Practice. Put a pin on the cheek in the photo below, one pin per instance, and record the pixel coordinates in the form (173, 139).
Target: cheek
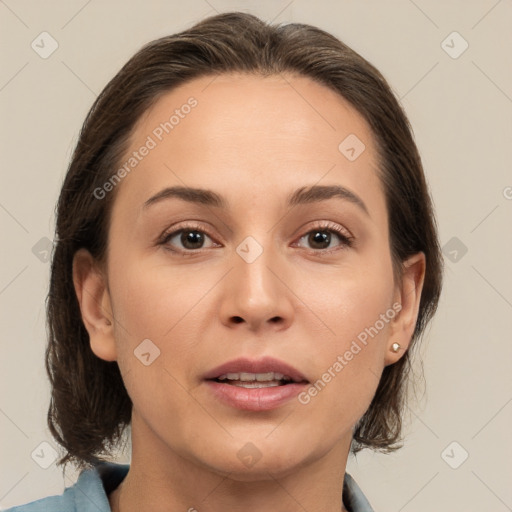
(356, 311)
(153, 301)
(169, 306)
(351, 299)
(156, 311)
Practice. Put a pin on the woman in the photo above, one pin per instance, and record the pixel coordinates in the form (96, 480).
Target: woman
(246, 254)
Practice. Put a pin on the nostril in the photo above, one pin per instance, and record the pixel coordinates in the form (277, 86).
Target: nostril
(275, 319)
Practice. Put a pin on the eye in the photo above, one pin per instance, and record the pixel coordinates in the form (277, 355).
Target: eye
(326, 237)
(187, 239)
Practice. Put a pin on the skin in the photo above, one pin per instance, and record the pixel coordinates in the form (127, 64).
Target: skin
(253, 141)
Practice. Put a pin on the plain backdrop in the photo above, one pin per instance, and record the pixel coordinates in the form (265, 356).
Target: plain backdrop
(457, 91)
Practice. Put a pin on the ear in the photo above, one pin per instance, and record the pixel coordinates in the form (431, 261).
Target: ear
(94, 299)
(408, 295)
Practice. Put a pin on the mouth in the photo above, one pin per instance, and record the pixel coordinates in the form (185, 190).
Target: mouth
(255, 385)
(245, 372)
(255, 380)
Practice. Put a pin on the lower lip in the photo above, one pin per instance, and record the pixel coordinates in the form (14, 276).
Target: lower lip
(255, 399)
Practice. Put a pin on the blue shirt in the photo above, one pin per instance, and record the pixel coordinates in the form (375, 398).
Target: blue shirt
(90, 493)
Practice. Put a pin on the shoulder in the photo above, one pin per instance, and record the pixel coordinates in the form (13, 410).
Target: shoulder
(88, 494)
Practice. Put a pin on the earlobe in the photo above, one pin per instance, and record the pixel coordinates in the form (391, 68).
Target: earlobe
(94, 299)
(408, 294)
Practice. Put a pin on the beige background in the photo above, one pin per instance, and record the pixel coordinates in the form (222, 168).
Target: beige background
(460, 109)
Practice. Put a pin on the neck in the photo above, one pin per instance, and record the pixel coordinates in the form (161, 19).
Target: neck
(160, 479)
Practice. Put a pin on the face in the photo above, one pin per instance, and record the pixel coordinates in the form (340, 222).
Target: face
(276, 264)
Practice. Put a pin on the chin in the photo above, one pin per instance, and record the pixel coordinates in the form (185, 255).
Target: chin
(269, 469)
(263, 459)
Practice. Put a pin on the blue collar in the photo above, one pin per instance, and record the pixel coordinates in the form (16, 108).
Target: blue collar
(90, 492)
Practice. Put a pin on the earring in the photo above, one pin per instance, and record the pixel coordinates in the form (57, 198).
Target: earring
(395, 347)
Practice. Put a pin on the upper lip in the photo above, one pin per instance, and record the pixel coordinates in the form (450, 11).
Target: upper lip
(264, 365)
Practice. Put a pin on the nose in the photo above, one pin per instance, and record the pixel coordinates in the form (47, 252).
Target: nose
(254, 297)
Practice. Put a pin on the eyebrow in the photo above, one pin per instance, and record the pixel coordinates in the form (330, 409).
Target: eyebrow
(303, 195)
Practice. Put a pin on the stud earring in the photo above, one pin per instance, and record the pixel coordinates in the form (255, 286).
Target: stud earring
(395, 347)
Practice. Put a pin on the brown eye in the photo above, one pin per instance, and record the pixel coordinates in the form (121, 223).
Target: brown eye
(187, 240)
(325, 238)
(319, 239)
(192, 239)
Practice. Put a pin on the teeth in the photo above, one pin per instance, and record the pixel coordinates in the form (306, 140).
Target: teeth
(255, 384)
(252, 377)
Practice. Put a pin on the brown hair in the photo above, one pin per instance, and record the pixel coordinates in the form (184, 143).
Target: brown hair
(89, 406)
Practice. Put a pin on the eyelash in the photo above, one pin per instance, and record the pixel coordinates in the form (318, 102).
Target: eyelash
(346, 240)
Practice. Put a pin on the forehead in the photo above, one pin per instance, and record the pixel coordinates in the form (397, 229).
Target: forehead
(239, 130)
(275, 108)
